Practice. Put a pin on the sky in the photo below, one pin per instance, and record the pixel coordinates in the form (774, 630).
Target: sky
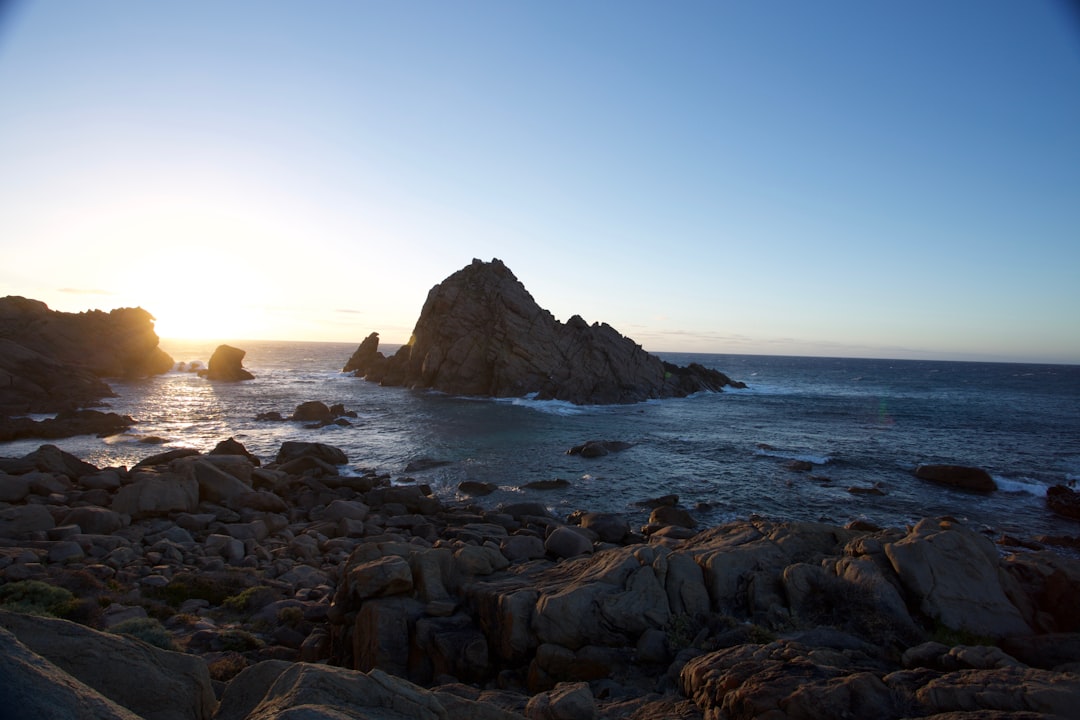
(836, 178)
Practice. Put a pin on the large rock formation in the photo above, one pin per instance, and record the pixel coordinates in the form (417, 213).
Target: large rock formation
(51, 361)
(227, 364)
(481, 333)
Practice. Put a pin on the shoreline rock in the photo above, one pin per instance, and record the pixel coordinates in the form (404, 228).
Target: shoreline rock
(480, 333)
(256, 570)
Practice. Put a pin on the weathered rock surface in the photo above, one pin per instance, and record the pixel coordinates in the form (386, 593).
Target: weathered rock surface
(153, 683)
(226, 364)
(32, 687)
(52, 361)
(481, 333)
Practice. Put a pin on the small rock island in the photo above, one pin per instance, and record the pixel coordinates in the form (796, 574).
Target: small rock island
(481, 333)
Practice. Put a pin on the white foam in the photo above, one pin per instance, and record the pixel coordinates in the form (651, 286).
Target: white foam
(815, 459)
(1020, 485)
(551, 407)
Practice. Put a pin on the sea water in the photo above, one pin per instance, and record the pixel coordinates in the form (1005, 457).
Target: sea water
(855, 423)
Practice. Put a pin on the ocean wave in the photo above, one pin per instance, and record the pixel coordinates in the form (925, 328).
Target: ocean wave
(550, 407)
(814, 459)
(1021, 485)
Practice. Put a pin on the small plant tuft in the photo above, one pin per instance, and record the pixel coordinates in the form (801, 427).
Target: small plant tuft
(149, 630)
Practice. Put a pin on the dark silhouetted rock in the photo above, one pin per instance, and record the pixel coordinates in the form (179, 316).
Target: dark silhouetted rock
(958, 476)
(51, 361)
(313, 411)
(232, 447)
(598, 448)
(294, 449)
(481, 333)
(477, 488)
(67, 423)
(554, 484)
(366, 357)
(226, 364)
(1063, 501)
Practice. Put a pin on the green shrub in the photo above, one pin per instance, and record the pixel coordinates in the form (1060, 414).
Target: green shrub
(239, 641)
(251, 599)
(291, 616)
(149, 630)
(215, 588)
(33, 597)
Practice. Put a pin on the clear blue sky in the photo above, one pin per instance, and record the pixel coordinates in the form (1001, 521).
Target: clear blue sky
(833, 178)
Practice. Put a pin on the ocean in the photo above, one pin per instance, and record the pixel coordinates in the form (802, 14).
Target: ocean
(856, 423)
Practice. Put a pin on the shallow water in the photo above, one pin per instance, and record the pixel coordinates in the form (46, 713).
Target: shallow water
(860, 423)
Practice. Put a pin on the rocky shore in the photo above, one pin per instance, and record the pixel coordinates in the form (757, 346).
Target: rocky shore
(221, 586)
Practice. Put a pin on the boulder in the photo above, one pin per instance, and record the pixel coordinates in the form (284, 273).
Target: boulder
(481, 333)
(958, 476)
(294, 449)
(21, 520)
(95, 520)
(157, 493)
(226, 364)
(33, 687)
(231, 446)
(954, 574)
(153, 683)
(567, 542)
(312, 411)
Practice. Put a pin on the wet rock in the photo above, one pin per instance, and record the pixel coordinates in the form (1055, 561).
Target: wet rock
(554, 484)
(226, 364)
(598, 448)
(1063, 501)
(958, 476)
(476, 488)
(312, 411)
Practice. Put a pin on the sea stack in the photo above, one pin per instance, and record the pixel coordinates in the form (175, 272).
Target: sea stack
(226, 364)
(481, 333)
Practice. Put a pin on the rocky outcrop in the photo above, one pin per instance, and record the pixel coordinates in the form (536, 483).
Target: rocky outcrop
(226, 364)
(481, 333)
(51, 361)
